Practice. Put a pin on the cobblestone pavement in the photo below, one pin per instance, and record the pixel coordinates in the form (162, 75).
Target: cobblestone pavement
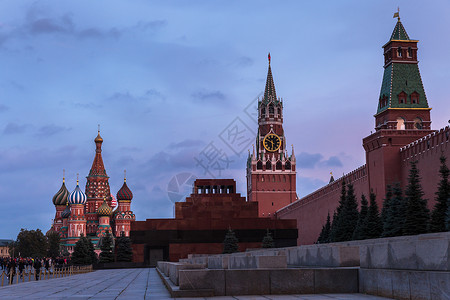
(127, 284)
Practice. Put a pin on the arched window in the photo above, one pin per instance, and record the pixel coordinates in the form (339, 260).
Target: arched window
(279, 165)
(288, 165)
(263, 112)
(268, 165)
(259, 165)
(402, 97)
(400, 123)
(418, 123)
(399, 52)
(409, 52)
(271, 109)
(414, 98)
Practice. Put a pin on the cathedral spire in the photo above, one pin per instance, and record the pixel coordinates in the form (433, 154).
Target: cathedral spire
(98, 169)
(269, 92)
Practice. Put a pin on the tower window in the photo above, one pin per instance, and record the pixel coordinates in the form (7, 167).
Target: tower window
(268, 165)
(263, 112)
(288, 165)
(418, 123)
(271, 109)
(259, 165)
(279, 165)
(400, 123)
(399, 52)
(402, 98)
(414, 98)
(409, 52)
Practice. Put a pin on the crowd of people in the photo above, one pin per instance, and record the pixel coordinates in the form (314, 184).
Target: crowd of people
(13, 266)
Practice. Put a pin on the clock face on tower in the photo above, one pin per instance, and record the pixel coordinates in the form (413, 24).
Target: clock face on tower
(272, 142)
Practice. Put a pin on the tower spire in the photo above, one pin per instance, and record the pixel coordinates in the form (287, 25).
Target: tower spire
(269, 92)
(98, 169)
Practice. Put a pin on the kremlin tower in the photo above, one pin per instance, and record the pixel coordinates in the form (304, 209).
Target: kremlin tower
(271, 171)
(403, 114)
(91, 213)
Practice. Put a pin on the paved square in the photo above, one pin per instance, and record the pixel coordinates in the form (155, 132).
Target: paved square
(127, 284)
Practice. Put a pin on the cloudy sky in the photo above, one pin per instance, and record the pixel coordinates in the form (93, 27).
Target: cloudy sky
(169, 82)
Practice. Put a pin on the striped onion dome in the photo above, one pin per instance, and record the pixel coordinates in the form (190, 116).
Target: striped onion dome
(60, 197)
(104, 209)
(113, 201)
(124, 193)
(66, 213)
(77, 196)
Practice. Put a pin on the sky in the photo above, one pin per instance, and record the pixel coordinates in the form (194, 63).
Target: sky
(170, 81)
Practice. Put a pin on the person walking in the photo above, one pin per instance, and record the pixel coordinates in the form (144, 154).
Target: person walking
(12, 270)
(21, 267)
(37, 268)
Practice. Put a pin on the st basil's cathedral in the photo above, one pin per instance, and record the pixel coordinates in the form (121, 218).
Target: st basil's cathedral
(90, 213)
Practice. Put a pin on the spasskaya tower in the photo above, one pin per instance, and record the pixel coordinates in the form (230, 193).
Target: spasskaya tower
(271, 171)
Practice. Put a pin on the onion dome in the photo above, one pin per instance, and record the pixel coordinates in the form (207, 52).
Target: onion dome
(77, 196)
(124, 193)
(66, 212)
(113, 201)
(98, 139)
(104, 209)
(60, 197)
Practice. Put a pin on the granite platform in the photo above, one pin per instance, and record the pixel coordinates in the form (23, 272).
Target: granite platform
(129, 284)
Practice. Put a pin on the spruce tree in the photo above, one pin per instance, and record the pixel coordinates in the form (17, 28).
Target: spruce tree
(417, 213)
(360, 226)
(92, 253)
(438, 216)
(347, 217)
(267, 241)
(386, 203)
(332, 236)
(395, 214)
(324, 236)
(81, 252)
(373, 224)
(336, 226)
(107, 254)
(124, 250)
(230, 243)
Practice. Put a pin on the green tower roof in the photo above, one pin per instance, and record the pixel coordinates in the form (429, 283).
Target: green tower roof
(398, 78)
(399, 32)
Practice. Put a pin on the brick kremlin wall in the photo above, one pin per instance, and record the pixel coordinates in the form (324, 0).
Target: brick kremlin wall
(311, 211)
(426, 151)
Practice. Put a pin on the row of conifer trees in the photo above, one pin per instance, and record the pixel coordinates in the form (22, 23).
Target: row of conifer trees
(84, 253)
(403, 213)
